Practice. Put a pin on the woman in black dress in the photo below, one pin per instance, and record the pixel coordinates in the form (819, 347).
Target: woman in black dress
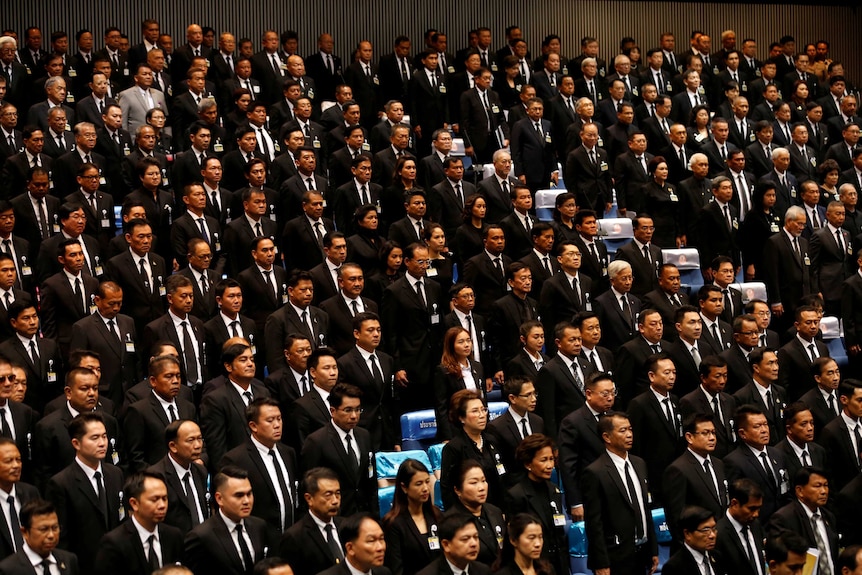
(363, 247)
(388, 271)
(760, 223)
(829, 173)
(472, 492)
(468, 237)
(698, 127)
(469, 416)
(392, 197)
(522, 549)
(510, 88)
(457, 370)
(411, 524)
(799, 97)
(440, 262)
(536, 494)
(662, 202)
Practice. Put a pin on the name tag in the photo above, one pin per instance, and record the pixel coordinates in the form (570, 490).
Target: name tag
(435, 318)
(495, 108)
(105, 223)
(431, 272)
(72, 73)
(806, 260)
(604, 166)
(674, 197)
(736, 224)
(130, 345)
(218, 148)
(162, 291)
(434, 543)
(255, 89)
(442, 89)
(102, 182)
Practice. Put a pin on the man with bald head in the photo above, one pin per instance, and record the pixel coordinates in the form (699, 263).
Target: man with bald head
(181, 59)
(324, 67)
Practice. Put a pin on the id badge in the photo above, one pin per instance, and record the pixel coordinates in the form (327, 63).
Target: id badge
(673, 197)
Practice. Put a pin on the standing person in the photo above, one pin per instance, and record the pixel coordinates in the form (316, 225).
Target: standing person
(40, 529)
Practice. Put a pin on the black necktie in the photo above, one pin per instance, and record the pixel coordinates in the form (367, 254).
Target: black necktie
(204, 284)
(635, 500)
(768, 468)
(13, 522)
(375, 371)
(333, 545)
(706, 468)
(269, 284)
(46, 567)
(421, 295)
(79, 297)
(365, 199)
(263, 145)
(351, 453)
(191, 357)
(100, 491)
(833, 405)
(247, 561)
(318, 233)
(667, 411)
(247, 397)
(233, 328)
(43, 219)
(203, 227)
(749, 551)
(143, 271)
(728, 304)
(152, 558)
(190, 498)
(5, 431)
(172, 413)
(288, 503)
(806, 460)
(258, 232)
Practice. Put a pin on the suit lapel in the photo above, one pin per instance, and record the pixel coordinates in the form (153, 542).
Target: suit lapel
(615, 478)
(221, 532)
(349, 465)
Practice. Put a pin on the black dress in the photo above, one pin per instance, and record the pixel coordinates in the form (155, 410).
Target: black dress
(377, 283)
(544, 500)
(563, 233)
(467, 242)
(460, 449)
(492, 529)
(663, 204)
(407, 550)
(755, 230)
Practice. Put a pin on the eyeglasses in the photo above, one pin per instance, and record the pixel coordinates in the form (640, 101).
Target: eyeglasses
(529, 395)
(478, 411)
(707, 530)
(608, 394)
(706, 433)
(9, 378)
(352, 410)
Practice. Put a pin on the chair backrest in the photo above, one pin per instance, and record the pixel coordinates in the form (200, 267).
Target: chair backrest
(752, 290)
(616, 228)
(830, 328)
(496, 409)
(419, 425)
(682, 258)
(388, 462)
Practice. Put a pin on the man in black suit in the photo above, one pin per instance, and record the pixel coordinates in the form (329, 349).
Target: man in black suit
(199, 255)
(20, 493)
(325, 68)
(787, 267)
(796, 357)
(372, 371)
(485, 272)
(798, 447)
(140, 274)
(667, 298)
(8, 122)
(710, 398)
(509, 313)
(482, 121)
(560, 382)
(264, 284)
(195, 224)
(431, 166)
(362, 76)
(740, 537)
(808, 516)
(296, 316)
(87, 492)
(271, 465)
(29, 224)
(755, 459)
(223, 418)
(240, 233)
(182, 329)
(228, 323)
(446, 199)
(302, 239)
(715, 331)
(617, 308)
(16, 168)
(736, 356)
(696, 477)
(518, 224)
(71, 227)
(358, 191)
(212, 547)
(290, 383)
(386, 160)
(831, 256)
(45, 371)
(763, 391)
(67, 296)
(718, 224)
(143, 543)
(454, 530)
(567, 292)
(428, 101)
(411, 310)
(346, 449)
(497, 188)
(656, 421)
(840, 437)
(185, 476)
(145, 420)
(594, 253)
(361, 536)
(822, 400)
(631, 358)
(308, 549)
(698, 537)
(533, 148)
(630, 172)
(616, 503)
(587, 172)
(98, 207)
(644, 257)
(580, 441)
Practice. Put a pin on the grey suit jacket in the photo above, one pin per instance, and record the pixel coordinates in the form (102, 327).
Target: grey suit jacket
(135, 107)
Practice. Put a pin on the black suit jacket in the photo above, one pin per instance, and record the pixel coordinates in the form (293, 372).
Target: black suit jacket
(751, 396)
(121, 550)
(204, 306)
(475, 122)
(616, 328)
(830, 265)
(793, 518)
(820, 409)
(444, 206)
(631, 371)
(266, 504)
(611, 519)
(238, 236)
(163, 329)
(794, 367)
(42, 386)
(61, 309)
(24, 492)
(378, 415)
(488, 284)
(285, 321)
(144, 426)
(82, 521)
(644, 271)
(592, 182)
(656, 440)
(304, 547)
(729, 550)
(518, 241)
(843, 461)
(697, 402)
(216, 333)
(558, 301)
(223, 419)
(686, 483)
(259, 301)
(121, 364)
(580, 445)
(848, 505)
(741, 462)
(209, 547)
(358, 484)
(816, 453)
(27, 222)
(140, 302)
(179, 514)
(682, 563)
(498, 204)
(15, 171)
(559, 394)
(19, 563)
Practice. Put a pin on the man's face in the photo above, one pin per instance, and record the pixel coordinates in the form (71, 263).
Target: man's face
(829, 377)
(94, 444)
(526, 400)
(264, 254)
(241, 369)
(152, 504)
(570, 344)
(10, 464)
(27, 322)
(156, 60)
(7, 274)
(495, 241)
(678, 135)
(302, 293)
(652, 327)
(692, 81)
(522, 281)
(724, 275)
(703, 538)
(83, 394)
(618, 90)
(356, 138)
(326, 503)
(756, 431)
(314, 206)
(268, 426)
(235, 498)
(140, 239)
(464, 545)
(346, 416)
(167, 383)
(622, 282)
(455, 171)
(351, 281)
(247, 142)
(182, 300)
(337, 251)
(230, 301)
(297, 355)
(368, 335)
(853, 404)
(73, 260)
(570, 258)
(43, 534)
(702, 441)
(57, 91)
(256, 204)
(146, 138)
(620, 437)
(801, 429)
(201, 140)
(815, 493)
(368, 550)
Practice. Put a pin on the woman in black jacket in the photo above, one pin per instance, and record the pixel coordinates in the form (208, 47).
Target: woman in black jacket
(761, 222)
(522, 550)
(411, 524)
(471, 489)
